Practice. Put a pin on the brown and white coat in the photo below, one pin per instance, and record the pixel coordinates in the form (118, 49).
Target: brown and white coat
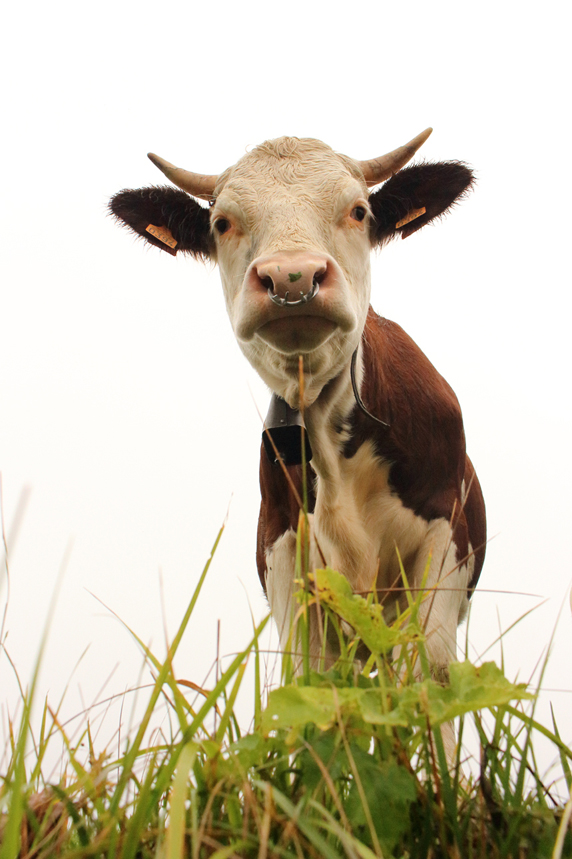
(291, 218)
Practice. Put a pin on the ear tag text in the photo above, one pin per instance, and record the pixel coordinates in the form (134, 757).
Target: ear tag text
(163, 234)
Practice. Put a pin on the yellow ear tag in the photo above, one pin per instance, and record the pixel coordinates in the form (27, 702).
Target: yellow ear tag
(163, 234)
(414, 213)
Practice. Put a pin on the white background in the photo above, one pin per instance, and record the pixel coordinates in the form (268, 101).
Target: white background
(125, 403)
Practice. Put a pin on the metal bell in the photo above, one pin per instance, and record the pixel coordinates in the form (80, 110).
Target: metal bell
(286, 426)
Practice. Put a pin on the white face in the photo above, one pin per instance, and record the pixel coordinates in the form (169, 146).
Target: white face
(290, 214)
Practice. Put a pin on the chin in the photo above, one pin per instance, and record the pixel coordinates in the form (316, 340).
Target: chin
(281, 370)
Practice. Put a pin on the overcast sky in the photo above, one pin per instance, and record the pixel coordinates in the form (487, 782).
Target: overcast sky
(126, 404)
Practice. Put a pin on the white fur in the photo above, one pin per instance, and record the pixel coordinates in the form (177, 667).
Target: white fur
(280, 565)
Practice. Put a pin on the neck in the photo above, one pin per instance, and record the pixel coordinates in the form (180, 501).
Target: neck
(325, 420)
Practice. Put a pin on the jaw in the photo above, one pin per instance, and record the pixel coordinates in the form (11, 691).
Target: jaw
(281, 371)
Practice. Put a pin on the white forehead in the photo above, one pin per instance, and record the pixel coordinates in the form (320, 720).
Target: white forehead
(300, 169)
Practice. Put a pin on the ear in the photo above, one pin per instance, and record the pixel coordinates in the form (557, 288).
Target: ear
(167, 218)
(416, 196)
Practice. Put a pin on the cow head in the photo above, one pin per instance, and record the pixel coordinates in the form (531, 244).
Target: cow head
(291, 227)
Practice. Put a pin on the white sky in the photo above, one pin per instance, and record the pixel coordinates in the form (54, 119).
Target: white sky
(126, 404)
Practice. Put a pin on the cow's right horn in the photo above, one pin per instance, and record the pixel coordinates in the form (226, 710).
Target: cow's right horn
(379, 169)
(197, 184)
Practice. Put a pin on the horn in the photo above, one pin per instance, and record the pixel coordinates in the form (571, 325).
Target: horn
(196, 184)
(379, 169)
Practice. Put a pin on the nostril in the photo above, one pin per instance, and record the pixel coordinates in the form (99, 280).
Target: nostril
(267, 282)
(320, 276)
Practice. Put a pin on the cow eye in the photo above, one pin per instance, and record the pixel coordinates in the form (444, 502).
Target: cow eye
(222, 225)
(358, 214)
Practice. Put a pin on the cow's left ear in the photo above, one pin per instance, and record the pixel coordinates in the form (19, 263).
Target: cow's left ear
(415, 196)
(167, 218)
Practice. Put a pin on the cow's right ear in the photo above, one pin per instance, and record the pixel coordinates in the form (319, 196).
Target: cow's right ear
(167, 218)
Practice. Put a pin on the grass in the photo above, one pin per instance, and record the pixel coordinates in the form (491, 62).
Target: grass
(344, 763)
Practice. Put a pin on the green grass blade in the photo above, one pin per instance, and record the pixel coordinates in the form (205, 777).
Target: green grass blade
(175, 841)
(296, 814)
(229, 705)
(221, 685)
(563, 759)
(164, 672)
(11, 837)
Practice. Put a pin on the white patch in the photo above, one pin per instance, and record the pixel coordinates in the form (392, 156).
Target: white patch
(280, 565)
(280, 588)
(446, 584)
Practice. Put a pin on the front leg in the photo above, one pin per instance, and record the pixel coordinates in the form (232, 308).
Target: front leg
(281, 586)
(445, 601)
(443, 606)
(280, 574)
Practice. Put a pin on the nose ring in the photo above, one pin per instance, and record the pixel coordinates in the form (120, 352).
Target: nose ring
(305, 297)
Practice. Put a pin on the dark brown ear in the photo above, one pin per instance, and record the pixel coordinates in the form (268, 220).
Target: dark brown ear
(415, 196)
(165, 217)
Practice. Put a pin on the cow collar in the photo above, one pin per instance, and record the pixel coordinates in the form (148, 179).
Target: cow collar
(283, 427)
(359, 400)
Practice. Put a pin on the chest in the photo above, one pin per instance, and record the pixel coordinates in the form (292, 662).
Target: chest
(360, 524)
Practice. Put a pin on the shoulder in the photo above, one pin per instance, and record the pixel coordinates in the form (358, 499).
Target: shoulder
(398, 374)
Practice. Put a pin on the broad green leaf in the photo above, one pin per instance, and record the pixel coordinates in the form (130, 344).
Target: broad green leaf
(294, 706)
(471, 688)
(367, 620)
(387, 786)
(251, 750)
(484, 685)
(324, 747)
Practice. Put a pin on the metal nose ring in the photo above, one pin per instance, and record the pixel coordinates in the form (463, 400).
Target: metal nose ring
(305, 297)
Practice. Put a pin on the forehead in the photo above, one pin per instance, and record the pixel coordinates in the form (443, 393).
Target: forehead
(290, 167)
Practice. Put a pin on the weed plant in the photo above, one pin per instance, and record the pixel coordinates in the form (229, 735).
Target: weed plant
(347, 762)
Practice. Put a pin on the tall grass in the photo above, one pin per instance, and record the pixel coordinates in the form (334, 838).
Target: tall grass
(347, 762)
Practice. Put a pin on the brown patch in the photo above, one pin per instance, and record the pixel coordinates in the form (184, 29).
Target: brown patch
(474, 510)
(425, 441)
(279, 508)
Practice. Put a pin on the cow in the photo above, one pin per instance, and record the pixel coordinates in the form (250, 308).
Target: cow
(291, 226)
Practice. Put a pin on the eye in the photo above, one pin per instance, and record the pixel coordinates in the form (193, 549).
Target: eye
(358, 214)
(222, 225)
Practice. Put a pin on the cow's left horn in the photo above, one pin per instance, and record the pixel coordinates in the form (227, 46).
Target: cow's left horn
(197, 184)
(380, 169)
